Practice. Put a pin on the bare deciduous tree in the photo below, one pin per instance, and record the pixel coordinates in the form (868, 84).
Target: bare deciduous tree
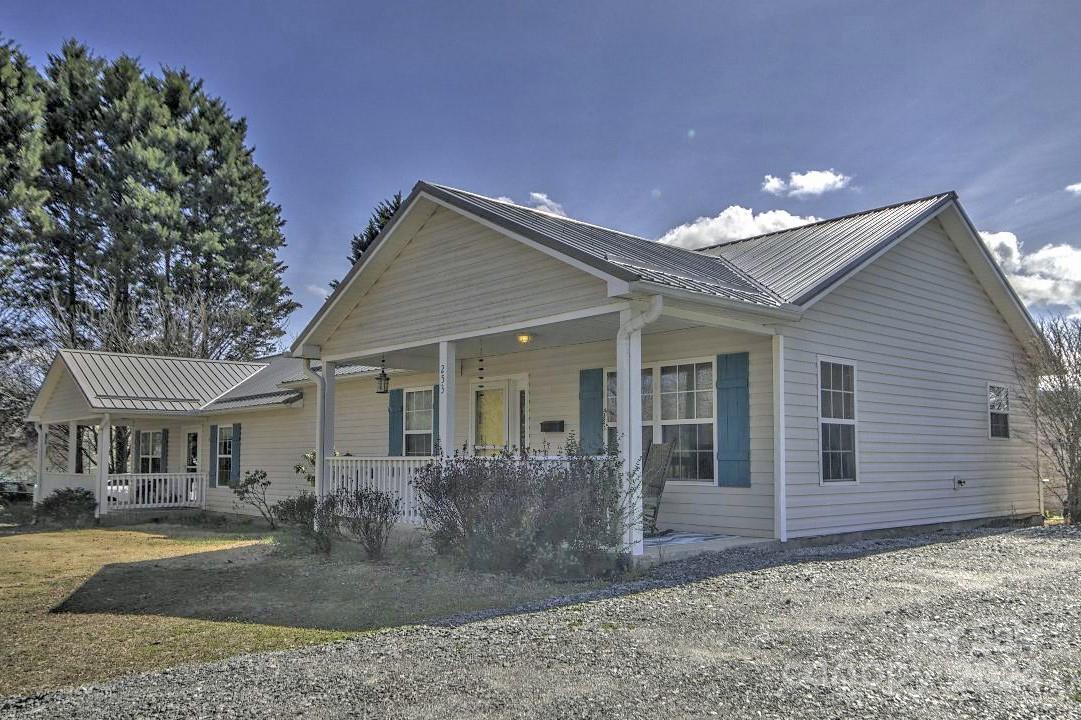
(1050, 377)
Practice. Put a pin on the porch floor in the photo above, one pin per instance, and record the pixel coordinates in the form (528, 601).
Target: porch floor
(680, 545)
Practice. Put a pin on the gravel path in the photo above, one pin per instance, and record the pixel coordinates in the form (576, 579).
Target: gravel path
(983, 624)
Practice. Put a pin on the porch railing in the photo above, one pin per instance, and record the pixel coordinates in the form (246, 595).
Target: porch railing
(141, 491)
(52, 481)
(390, 474)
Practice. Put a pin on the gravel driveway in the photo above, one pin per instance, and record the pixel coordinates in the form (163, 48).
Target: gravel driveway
(981, 624)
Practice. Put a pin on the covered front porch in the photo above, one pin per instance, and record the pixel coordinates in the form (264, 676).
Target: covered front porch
(702, 381)
(124, 461)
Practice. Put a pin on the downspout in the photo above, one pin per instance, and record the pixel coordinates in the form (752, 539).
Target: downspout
(637, 322)
(320, 389)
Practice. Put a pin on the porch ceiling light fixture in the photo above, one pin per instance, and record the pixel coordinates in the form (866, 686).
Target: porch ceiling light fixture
(382, 380)
(525, 338)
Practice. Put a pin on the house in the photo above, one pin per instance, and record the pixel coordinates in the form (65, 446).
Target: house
(848, 375)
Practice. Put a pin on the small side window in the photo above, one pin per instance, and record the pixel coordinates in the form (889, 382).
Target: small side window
(837, 420)
(998, 410)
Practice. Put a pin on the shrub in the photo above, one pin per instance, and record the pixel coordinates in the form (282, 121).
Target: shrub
(67, 506)
(370, 515)
(525, 514)
(251, 490)
(315, 519)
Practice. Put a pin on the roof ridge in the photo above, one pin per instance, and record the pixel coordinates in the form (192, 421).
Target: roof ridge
(163, 357)
(542, 212)
(948, 194)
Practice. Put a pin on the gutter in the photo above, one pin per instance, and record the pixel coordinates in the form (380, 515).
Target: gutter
(656, 305)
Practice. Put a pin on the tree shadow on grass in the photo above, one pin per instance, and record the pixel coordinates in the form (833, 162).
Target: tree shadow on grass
(265, 585)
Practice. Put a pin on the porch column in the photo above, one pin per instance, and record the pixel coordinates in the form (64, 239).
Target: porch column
(43, 442)
(628, 419)
(329, 389)
(448, 362)
(73, 446)
(105, 439)
(780, 456)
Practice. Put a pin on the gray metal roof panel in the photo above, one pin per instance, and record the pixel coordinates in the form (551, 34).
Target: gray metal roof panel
(153, 383)
(340, 370)
(626, 256)
(800, 262)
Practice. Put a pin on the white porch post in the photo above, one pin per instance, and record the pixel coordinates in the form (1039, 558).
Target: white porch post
(43, 441)
(448, 361)
(780, 489)
(105, 438)
(327, 441)
(73, 445)
(628, 417)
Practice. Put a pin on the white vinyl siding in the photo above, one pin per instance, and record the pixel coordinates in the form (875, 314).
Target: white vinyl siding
(925, 338)
(473, 265)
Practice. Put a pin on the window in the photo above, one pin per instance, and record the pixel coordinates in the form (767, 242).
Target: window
(418, 422)
(686, 409)
(837, 419)
(224, 454)
(677, 407)
(998, 410)
(150, 451)
(191, 451)
(610, 386)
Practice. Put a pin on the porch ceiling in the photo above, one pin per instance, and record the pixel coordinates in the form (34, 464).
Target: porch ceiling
(571, 332)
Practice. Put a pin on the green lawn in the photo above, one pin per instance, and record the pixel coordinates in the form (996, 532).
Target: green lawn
(83, 605)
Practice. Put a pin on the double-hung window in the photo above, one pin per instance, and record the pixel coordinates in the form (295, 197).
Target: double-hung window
(677, 407)
(686, 418)
(224, 454)
(837, 420)
(998, 411)
(150, 451)
(418, 422)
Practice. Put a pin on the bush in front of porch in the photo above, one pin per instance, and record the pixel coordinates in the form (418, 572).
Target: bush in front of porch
(528, 513)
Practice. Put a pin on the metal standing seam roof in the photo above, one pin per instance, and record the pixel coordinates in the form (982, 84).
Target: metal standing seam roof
(800, 262)
(263, 388)
(626, 256)
(117, 381)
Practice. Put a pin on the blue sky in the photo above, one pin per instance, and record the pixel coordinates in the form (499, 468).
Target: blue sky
(641, 116)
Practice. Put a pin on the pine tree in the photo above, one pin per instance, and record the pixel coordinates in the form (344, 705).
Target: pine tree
(379, 218)
(21, 106)
(381, 215)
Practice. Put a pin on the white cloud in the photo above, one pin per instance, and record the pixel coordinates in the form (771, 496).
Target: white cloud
(732, 223)
(538, 201)
(774, 185)
(1075, 188)
(805, 184)
(541, 201)
(1047, 279)
(321, 291)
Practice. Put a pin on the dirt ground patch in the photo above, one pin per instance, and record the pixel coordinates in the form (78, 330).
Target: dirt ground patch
(78, 606)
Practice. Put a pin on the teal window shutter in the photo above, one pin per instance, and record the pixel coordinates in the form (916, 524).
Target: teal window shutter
(212, 458)
(396, 423)
(435, 420)
(591, 410)
(234, 464)
(165, 450)
(733, 425)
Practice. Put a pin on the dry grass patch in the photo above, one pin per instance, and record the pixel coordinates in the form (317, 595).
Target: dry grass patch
(78, 606)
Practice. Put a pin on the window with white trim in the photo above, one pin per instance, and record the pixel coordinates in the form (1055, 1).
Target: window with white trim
(418, 422)
(677, 407)
(150, 444)
(837, 420)
(998, 410)
(224, 454)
